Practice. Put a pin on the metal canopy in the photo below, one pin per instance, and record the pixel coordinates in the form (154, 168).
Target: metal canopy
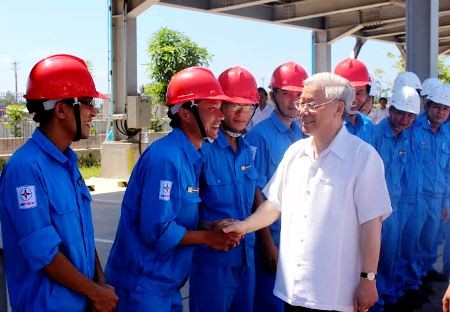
(365, 19)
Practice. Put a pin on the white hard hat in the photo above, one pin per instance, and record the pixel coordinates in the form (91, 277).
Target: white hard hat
(373, 86)
(407, 79)
(429, 84)
(405, 99)
(440, 95)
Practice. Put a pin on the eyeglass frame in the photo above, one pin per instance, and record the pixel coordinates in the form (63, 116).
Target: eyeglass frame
(84, 101)
(310, 105)
(244, 108)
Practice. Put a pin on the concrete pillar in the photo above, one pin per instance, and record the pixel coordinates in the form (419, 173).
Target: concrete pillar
(321, 53)
(131, 56)
(422, 31)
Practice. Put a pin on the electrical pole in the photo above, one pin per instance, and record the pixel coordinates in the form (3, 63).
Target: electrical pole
(15, 68)
(263, 79)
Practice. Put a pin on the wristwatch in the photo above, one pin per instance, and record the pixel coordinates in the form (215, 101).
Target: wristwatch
(371, 276)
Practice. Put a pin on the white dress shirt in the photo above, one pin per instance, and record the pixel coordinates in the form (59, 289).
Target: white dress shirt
(323, 203)
(379, 114)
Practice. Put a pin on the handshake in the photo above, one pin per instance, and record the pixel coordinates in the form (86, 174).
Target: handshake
(220, 234)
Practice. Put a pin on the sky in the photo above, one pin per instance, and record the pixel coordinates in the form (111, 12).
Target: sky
(34, 29)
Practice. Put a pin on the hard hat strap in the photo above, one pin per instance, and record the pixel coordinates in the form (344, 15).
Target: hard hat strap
(76, 111)
(194, 109)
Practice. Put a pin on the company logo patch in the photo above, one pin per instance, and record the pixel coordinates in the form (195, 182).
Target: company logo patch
(164, 189)
(254, 149)
(26, 196)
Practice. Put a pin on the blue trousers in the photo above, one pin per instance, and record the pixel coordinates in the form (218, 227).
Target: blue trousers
(135, 301)
(412, 219)
(265, 300)
(429, 236)
(220, 288)
(389, 255)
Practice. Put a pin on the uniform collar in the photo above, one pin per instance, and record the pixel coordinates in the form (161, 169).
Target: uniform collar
(223, 142)
(189, 149)
(338, 146)
(387, 128)
(279, 124)
(50, 148)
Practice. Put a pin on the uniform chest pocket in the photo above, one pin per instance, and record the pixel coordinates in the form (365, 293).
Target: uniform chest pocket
(65, 219)
(218, 189)
(444, 157)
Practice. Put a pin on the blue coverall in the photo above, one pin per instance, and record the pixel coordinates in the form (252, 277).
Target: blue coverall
(270, 139)
(363, 128)
(436, 161)
(223, 281)
(146, 265)
(44, 208)
(394, 150)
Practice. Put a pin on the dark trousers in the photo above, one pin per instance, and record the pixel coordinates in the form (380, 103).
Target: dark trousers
(290, 308)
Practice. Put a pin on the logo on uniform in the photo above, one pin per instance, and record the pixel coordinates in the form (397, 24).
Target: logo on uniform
(26, 196)
(164, 189)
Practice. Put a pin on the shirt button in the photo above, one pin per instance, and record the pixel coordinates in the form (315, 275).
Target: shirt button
(219, 181)
(138, 288)
(307, 192)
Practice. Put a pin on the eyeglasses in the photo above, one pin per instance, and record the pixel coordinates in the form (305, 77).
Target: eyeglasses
(236, 107)
(86, 101)
(310, 106)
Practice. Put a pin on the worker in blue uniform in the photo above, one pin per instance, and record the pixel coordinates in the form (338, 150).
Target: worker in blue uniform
(356, 122)
(435, 140)
(224, 281)
(430, 143)
(391, 139)
(152, 252)
(269, 140)
(50, 260)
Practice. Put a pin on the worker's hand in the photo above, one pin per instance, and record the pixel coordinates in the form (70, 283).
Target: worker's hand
(222, 241)
(270, 256)
(366, 295)
(445, 215)
(238, 227)
(104, 299)
(446, 301)
(220, 224)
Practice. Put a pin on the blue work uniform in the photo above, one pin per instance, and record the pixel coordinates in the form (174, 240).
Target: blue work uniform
(270, 139)
(363, 127)
(45, 209)
(394, 150)
(436, 159)
(146, 265)
(223, 281)
(411, 212)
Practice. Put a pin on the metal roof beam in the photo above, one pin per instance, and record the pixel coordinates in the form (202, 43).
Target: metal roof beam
(310, 8)
(228, 5)
(367, 17)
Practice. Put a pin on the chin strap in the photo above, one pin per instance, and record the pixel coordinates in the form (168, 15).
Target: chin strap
(76, 110)
(291, 119)
(194, 109)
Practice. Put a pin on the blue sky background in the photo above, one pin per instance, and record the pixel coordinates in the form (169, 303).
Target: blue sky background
(33, 29)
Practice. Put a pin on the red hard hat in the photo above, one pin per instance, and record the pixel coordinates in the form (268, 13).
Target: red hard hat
(240, 85)
(354, 71)
(288, 76)
(60, 76)
(194, 83)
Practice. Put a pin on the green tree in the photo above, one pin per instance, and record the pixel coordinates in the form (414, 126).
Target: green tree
(170, 51)
(15, 113)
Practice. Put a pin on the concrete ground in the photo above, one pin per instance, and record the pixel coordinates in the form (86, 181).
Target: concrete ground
(107, 198)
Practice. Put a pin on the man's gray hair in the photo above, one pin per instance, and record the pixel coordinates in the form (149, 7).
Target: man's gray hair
(335, 87)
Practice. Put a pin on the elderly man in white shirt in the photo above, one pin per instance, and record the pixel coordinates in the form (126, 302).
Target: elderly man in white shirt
(332, 197)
